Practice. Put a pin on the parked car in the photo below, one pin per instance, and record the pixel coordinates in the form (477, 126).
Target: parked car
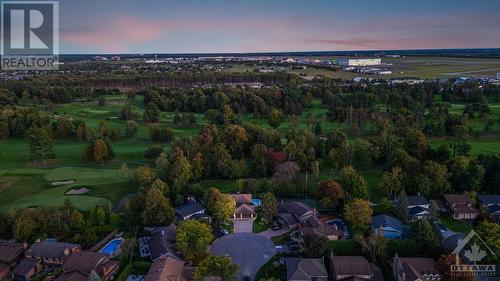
(275, 226)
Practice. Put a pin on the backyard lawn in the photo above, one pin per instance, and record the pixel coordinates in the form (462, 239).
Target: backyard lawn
(455, 225)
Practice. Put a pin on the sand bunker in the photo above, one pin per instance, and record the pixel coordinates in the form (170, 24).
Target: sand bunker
(63, 182)
(79, 191)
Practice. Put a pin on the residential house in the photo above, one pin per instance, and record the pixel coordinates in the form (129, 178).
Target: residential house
(414, 269)
(162, 242)
(461, 206)
(354, 268)
(189, 210)
(26, 269)
(305, 269)
(450, 243)
(10, 254)
(440, 206)
(293, 214)
(168, 269)
(244, 206)
(491, 204)
(52, 253)
(313, 227)
(387, 226)
(418, 208)
(80, 266)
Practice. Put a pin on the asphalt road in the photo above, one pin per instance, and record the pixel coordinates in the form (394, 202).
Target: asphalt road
(248, 250)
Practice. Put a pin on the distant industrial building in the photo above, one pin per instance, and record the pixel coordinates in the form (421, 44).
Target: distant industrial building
(359, 62)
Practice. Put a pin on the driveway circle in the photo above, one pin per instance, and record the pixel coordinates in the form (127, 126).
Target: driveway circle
(248, 250)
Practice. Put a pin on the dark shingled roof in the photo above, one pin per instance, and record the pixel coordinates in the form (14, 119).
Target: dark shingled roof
(25, 266)
(459, 199)
(489, 199)
(10, 250)
(295, 208)
(415, 268)
(493, 209)
(242, 198)
(450, 243)
(166, 269)
(162, 242)
(386, 221)
(245, 209)
(50, 249)
(73, 276)
(305, 269)
(84, 261)
(351, 265)
(416, 210)
(417, 200)
(189, 209)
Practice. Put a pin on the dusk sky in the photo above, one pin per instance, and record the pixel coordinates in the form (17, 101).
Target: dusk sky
(190, 26)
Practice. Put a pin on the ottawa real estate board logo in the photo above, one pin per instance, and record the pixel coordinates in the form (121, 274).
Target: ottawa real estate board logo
(29, 35)
(473, 257)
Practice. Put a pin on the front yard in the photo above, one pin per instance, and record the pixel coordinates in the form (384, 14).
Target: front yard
(259, 226)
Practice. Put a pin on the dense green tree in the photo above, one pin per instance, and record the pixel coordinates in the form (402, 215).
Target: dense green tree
(330, 194)
(433, 180)
(392, 182)
(358, 214)
(25, 227)
(100, 151)
(466, 175)
(316, 247)
(131, 128)
(216, 268)
(490, 232)
(193, 238)
(221, 206)
(126, 113)
(423, 232)
(180, 170)
(151, 114)
(40, 144)
(268, 209)
(375, 245)
(157, 209)
(145, 176)
(275, 118)
(355, 186)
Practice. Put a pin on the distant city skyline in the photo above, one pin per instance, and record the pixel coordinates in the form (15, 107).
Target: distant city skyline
(216, 26)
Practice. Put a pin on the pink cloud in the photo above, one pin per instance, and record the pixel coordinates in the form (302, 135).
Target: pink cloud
(115, 35)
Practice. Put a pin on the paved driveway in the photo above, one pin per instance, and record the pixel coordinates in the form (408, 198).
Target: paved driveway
(248, 250)
(243, 226)
(274, 233)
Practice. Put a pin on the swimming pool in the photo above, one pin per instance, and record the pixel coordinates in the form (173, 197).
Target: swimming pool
(256, 202)
(112, 248)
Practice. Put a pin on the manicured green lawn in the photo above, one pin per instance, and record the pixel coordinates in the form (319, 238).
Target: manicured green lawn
(282, 239)
(455, 225)
(225, 186)
(32, 187)
(272, 268)
(478, 146)
(259, 226)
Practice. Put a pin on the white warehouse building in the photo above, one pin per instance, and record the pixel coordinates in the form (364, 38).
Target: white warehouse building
(359, 62)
